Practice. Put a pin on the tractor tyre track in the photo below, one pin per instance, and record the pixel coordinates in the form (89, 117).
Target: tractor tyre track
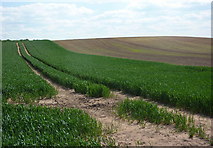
(124, 132)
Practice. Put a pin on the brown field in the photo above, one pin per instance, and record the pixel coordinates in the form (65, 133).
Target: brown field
(175, 50)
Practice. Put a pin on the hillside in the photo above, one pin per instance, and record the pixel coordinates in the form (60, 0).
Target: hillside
(176, 50)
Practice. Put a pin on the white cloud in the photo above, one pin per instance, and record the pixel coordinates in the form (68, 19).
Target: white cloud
(74, 20)
(113, 1)
(40, 18)
(48, 10)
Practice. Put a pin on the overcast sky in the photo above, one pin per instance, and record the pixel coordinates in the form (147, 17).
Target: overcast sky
(76, 19)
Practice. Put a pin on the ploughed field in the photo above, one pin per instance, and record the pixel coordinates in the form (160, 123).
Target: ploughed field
(176, 50)
(184, 87)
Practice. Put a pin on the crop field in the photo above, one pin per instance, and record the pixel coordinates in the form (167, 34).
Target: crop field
(186, 87)
(39, 126)
(141, 111)
(175, 50)
(19, 81)
(86, 87)
(81, 86)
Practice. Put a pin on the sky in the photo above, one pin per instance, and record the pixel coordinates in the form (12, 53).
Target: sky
(78, 19)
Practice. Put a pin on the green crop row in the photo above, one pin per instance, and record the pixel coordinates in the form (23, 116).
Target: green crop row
(187, 87)
(145, 111)
(24, 125)
(19, 81)
(42, 126)
(80, 86)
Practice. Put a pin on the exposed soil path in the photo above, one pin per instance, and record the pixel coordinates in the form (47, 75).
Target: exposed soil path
(26, 49)
(17, 45)
(123, 131)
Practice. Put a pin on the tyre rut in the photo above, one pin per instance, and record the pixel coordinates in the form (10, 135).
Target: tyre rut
(124, 132)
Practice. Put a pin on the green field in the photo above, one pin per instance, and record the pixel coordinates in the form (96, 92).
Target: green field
(41, 126)
(145, 111)
(20, 83)
(81, 86)
(187, 87)
(25, 125)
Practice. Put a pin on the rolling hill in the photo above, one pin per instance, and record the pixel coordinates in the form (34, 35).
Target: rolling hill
(175, 50)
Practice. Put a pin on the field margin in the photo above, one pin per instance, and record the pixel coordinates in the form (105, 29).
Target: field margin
(1, 94)
(211, 71)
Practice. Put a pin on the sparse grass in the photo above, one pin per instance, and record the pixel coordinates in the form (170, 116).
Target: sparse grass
(110, 129)
(211, 141)
(172, 45)
(167, 53)
(139, 143)
(145, 111)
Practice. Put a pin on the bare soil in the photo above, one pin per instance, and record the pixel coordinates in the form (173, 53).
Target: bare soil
(17, 45)
(26, 49)
(175, 50)
(125, 133)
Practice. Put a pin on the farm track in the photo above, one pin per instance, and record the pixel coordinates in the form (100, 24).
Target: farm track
(123, 131)
(19, 53)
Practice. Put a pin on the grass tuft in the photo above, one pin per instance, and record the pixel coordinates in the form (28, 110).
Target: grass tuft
(145, 111)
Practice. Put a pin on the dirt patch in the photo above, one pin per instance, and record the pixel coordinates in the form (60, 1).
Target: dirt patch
(174, 50)
(26, 49)
(124, 132)
(19, 53)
